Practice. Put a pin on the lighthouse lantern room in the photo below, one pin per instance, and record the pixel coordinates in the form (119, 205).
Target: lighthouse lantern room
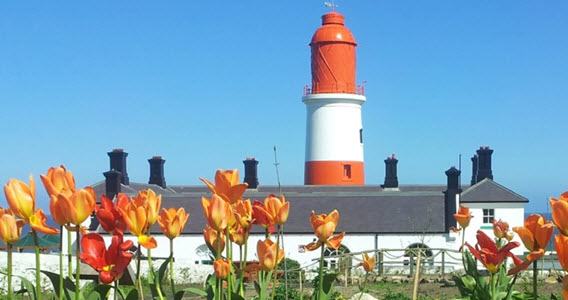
(334, 130)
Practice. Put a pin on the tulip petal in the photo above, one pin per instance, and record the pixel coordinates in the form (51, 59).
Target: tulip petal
(38, 221)
(335, 241)
(312, 246)
(147, 242)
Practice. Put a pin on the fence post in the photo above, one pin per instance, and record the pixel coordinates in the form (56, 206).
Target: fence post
(443, 263)
(381, 263)
(346, 277)
(411, 262)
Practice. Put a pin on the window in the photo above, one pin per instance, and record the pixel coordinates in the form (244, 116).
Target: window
(361, 135)
(488, 215)
(346, 171)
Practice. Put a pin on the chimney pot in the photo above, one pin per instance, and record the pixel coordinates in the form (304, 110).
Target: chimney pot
(251, 175)
(391, 177)
(118, 163)
(157, 171)
(112, 183)
(450, 197)
(484, 169)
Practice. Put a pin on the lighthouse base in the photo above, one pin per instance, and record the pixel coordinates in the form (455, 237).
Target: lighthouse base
(334, 173)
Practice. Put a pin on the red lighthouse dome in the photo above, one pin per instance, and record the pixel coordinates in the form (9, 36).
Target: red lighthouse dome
(333, 56)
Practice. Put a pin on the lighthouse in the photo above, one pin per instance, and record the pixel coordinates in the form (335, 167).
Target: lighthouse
(334, 129)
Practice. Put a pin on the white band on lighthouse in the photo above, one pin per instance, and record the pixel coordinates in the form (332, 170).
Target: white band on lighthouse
(334, 127)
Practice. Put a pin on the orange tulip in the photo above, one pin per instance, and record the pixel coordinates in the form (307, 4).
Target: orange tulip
(239, 234)
(149, 200)
(217, 212)
(172, 221)
(501, 230)
(58, 180)
(243, 212)
(463, 216)
(213, 239)
(57, 209)
(560, 212)
(535, 235)
(136, 220)
(278, 208)
(267, 254)
(78, 207)
(10, 228)
(368, 263)
(561, 243)
(222, 268)
(324, 226)
(227, 185)
(38, 221)
(21, 197)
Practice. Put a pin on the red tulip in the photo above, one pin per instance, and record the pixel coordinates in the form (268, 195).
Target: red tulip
(109, 263)
(489, 255)
(109, 216)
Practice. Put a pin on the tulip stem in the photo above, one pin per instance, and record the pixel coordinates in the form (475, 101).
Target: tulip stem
(229, 258)
(78, 268)
(61, 262)
(276, 262)
(38, 277)
(535, 275)
(241, 267)
(115, 294)
(69, 251)
(218, 281)
(493, 283)
(9, 271)
(172, 267)
(320, 287)
(138, 279)
(151, 273)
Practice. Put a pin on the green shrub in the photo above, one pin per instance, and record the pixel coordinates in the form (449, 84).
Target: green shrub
(291, 265)
(280, 293)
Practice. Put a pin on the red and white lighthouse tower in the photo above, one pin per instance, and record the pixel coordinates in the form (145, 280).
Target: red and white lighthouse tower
(334, 130)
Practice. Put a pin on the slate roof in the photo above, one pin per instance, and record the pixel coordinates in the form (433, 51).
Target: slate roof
(367, 209)
(489, 191)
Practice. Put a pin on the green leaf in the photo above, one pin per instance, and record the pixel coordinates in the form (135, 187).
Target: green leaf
(236, 297)
(28, 287)
(132, 295)
(68, 284)
(180, 293)
(162, 269)
(327, 286)
(210, 287)
(469, 282)
(100, 292)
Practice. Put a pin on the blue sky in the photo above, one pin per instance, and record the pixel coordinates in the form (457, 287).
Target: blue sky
(207, 83)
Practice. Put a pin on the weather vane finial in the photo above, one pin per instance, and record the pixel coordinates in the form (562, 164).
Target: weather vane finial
(331, 4)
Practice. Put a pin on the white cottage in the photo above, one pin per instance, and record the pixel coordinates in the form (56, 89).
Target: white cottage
(374, 217)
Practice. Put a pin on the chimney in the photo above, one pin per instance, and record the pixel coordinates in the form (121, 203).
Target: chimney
(484, 164)
(451, 197)
(474, 168)
(391, 179)
(157, 171)
(118, 163)
(251, 176)
(112, 180)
